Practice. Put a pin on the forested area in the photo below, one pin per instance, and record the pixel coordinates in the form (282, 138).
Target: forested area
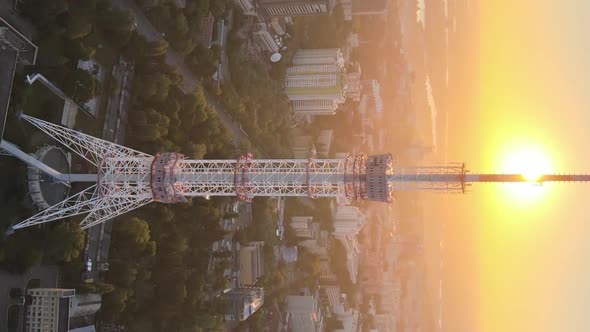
(160, 253)
(254, 98)
(69, 31)
(163, 118)
(158, 278)
(159, 269)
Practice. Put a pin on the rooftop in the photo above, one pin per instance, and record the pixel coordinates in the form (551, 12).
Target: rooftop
(27, 50)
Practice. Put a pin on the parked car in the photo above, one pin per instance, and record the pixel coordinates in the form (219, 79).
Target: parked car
(89, 265)
(280, 232)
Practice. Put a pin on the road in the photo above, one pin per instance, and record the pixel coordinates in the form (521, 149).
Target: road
(99, 236)
(189, 80)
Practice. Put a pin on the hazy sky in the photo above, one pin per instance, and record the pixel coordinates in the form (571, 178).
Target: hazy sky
(527, 254)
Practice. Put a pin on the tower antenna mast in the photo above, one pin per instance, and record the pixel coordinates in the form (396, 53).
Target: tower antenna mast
(127, 179)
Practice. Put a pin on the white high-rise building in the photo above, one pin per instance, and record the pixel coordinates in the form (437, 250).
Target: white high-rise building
(270, 8)
(322, 56)
(348, 220)
(313, 82)
(49, 309)
(317, 81)
(315, 107)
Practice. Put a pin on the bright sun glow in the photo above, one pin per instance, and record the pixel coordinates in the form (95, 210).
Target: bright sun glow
(531, 163)
(528, 162)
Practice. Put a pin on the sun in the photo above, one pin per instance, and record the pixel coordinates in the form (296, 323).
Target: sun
(532, 163)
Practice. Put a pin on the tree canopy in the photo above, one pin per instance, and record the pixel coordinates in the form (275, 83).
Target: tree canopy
(65, 241)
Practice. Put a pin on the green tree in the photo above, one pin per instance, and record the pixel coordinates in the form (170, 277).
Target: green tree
(78, 26)
(156, 86)
(154, 48)
(132, 238)
(19, 252)
(148, 125)
(195, 151)
(75, 49)
(115, 20)
(141, 324)
(44, 11)
(114, 303)
(65, 241)
(80, 85)
(122, 273)
(208, 321)
(217, 7)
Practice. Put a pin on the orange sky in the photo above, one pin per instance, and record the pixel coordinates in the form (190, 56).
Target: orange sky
(519, 259)
(532, 253)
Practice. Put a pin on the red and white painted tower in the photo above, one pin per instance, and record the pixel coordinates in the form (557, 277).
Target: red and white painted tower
(127, 179)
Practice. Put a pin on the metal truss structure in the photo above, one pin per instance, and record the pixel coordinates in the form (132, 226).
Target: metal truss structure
(127, 179)
(438, 178)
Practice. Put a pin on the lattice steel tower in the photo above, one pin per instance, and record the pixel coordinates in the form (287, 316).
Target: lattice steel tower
(127, 179)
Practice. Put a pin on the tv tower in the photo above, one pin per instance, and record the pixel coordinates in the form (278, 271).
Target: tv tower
(127, 179)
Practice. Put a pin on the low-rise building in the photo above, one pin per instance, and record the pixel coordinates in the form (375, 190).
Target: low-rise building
(353, 252)
(323, 143)
(337, 300)
(206, 37)
(278, 25)
(304, 313)
(85, 305)
(251, 262)
(310, 235)
(243, 302)
(304, 143)
(302, 226)
(247, 6)
(264, 39)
